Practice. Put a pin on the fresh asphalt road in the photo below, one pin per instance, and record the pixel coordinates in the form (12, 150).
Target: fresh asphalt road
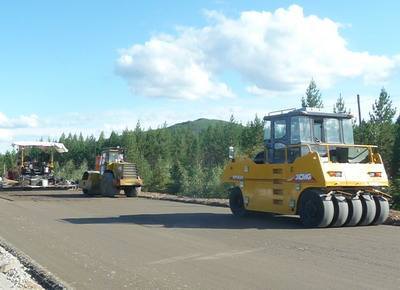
(117, 243)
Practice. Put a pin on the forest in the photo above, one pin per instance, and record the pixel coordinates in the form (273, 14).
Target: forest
(188, 158)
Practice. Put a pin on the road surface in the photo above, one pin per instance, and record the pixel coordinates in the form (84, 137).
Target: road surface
(117, 243)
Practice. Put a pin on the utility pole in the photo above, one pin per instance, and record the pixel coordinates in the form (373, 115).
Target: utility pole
(359, 109)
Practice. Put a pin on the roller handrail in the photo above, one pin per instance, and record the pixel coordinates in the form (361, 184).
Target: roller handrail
(327, 146)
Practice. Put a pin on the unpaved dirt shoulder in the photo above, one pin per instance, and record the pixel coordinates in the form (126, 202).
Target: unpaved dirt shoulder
(19, 271)
(394, 217)
(205, 201)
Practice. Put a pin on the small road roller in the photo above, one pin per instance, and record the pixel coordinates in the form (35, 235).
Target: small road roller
(310, 166)
(112, 175)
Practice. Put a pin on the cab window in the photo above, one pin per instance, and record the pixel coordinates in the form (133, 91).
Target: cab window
(279, 129)
(348, 137)
(279, 154)
(317, 130)
(332, 130)
(300, 130)
(267, 130)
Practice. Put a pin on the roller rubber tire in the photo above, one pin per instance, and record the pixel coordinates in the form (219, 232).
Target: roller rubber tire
(132, 191)
(355, 212)
(88, 192)
(341, 211)
(236, 202)
(369, 210)
(107, 186)
(316, 210)
(382, 210)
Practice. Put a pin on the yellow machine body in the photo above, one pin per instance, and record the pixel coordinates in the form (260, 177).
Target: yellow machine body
(113, 174)
(121, 176)
(310, 167)
(276, 188)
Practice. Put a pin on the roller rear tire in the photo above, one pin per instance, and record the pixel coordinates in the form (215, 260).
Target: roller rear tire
(382, 210)
(369, 210)
(107, 185)
(341, 211)
(88, 192)
(355, 212)
(132, 191)
(236, 203)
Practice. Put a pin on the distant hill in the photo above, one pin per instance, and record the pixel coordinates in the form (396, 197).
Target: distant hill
(197, 125)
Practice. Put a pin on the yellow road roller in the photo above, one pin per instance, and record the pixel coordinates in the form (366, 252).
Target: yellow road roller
(112, 175)
(310, 166)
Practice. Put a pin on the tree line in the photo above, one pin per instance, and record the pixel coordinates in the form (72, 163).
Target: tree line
(184, 161)
(176, 160)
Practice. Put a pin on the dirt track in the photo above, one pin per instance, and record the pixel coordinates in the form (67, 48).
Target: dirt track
(119, 243)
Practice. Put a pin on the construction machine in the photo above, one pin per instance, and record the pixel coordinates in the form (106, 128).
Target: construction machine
(35, 167)
(112, 175)
(309, 166)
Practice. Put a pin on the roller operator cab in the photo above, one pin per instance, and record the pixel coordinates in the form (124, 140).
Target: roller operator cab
(310, 167)
(112, 175)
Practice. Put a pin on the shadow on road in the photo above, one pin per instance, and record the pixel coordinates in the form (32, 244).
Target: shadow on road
(198, 220)
(49, 195)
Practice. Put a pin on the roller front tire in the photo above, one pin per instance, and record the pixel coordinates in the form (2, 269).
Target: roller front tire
(316, 209)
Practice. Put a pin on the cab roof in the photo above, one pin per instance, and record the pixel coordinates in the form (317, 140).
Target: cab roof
(315, 112)
(114, 149)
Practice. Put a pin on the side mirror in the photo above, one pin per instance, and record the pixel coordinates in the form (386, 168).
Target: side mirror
(231, 153)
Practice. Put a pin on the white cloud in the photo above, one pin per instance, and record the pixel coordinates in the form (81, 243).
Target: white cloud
(30, 121)
(5, 135)
(169, 67)
(10, 128)
(273, 52)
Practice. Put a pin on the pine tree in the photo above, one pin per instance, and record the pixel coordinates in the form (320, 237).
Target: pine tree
(396, 150)
(382, 129)
(251, 139)
(312, 97)
(340, 107)
(178, 173)
(160, 175)
(382, 109)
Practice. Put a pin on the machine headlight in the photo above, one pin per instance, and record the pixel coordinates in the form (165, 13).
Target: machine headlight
(375, 174)
(335, 173)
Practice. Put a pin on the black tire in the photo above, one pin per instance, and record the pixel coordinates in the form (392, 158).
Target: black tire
(382, 210)
(132, 191)
(316, 209)
(88, 192)
(107, 185)
(236, 203)
(341, 211)
(369, 210)
(355, 212)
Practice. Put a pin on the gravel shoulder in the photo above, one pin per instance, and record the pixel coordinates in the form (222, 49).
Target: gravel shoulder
(13, 274)
(20, 271)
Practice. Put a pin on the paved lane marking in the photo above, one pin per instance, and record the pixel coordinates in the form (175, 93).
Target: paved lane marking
(229, 254)
(175, 259)
(201, 257)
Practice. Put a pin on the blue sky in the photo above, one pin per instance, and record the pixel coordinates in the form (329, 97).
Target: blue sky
(91, 66)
